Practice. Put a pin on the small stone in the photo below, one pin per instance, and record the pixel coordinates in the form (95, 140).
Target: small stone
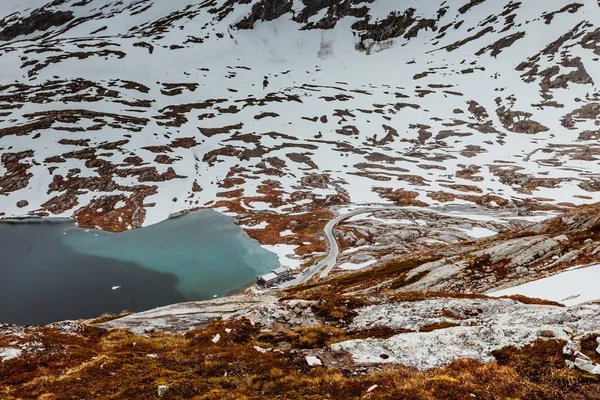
(162, 390)
(261, 350)
(572, 348)
(216, 338)
(588, 241)
(521, 270)
(547, 333)
(313, 361)
(22, 203)
(568, 330)
(585, 365)
(583, 356)
(369, 390)
(585, 336)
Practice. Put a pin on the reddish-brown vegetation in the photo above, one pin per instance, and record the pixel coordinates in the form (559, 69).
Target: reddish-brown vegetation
(120, 365)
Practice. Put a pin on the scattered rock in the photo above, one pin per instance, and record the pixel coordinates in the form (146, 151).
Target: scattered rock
(68, 327)
(313, 361)
(9, 353)
(521, 270)
(585, 364)
(162, 390)
(547, 333)
(261, 350)
(572, 348)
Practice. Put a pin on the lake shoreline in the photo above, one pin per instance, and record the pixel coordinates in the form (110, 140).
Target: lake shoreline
(199, 256)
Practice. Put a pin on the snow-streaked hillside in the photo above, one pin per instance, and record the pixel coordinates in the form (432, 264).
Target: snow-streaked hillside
(153, 107)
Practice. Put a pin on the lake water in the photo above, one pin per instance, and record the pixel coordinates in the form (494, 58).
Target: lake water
(52, 271)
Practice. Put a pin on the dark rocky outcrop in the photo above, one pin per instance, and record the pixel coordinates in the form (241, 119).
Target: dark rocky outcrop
(469, 5)
(17, 173)
(519, 121)
(265, 10)
(394, 25)
(39, 20)
(336, 10)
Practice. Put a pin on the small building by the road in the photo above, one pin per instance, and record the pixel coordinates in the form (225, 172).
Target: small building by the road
(274, 277)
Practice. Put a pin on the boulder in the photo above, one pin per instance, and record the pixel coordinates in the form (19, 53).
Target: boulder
(585, 365)
(313, 361)
(162, 390)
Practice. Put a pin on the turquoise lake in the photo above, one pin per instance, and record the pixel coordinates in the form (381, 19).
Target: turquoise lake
(54, 271)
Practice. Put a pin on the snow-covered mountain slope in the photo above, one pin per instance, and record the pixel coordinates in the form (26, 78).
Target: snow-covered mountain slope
(122, 112)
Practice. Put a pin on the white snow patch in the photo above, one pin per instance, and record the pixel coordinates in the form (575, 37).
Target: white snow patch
(479, 232)
(355, 249)
(352, 267)
(9, 353)
(570, 288)
(262, 225)
(286, 254)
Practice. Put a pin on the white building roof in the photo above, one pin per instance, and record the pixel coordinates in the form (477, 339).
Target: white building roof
(282, 270)
(269, 277)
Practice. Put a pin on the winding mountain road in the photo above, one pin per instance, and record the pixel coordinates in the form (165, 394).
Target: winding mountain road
(326, 265)
(330, 261)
